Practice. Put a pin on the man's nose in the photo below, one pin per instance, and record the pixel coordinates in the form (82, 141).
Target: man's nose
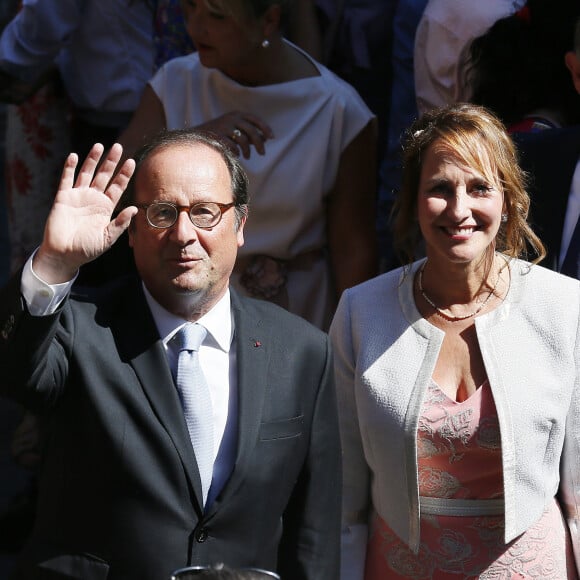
(183, 229)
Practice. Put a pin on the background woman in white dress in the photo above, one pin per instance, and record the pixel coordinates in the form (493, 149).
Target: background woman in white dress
(308, 145)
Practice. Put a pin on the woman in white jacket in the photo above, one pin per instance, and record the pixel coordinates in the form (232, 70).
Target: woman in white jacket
(458, 377)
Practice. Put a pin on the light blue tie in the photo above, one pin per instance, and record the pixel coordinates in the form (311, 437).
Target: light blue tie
(196, 400)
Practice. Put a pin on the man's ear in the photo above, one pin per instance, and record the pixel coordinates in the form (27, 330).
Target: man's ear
(240, 231)
(572, 61)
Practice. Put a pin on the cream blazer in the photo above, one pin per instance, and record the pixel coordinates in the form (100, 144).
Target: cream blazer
(385, 353)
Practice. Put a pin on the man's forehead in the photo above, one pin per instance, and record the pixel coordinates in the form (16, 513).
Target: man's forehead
(184, 158)
(189, 150)
(185, 167)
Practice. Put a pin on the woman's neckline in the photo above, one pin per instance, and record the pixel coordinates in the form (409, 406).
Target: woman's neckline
(495, 291)
(297, 54)
(475, 393)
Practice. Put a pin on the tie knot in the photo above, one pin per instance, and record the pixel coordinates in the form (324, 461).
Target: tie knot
(190, 337)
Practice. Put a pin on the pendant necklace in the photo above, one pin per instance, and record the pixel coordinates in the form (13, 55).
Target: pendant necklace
(440, 312)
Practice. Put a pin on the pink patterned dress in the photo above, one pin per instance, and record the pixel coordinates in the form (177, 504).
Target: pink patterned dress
(459, 454)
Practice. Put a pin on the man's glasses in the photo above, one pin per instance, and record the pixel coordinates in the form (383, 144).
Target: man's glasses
(204, 215)
(220, 571)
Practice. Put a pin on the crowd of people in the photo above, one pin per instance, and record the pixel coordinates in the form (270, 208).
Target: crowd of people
(304, 299)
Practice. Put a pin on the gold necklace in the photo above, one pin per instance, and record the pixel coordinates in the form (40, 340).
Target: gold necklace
(440, 312)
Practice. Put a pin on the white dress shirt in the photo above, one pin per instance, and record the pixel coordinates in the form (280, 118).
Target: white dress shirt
(218, 362)
(217, 357)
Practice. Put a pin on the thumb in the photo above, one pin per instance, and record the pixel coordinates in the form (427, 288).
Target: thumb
(121, 223)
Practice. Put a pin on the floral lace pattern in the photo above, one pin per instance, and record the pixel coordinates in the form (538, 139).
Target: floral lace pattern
(459, 453)
(37, 144)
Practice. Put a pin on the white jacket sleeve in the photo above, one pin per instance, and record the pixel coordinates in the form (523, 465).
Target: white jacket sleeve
(570, 464)
(356, 474)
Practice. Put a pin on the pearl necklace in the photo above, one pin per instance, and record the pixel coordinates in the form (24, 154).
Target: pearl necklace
(440, 312)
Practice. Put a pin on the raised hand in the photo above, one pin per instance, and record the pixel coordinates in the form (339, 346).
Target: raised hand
(80, 227)
(240, 131)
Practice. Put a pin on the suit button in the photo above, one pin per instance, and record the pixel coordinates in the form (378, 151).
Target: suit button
(201, 535)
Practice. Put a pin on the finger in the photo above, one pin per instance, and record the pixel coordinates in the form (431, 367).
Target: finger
(256, 138)
(88, 167)
(241, 140)
(107, 168)
(250, 135)
(67, 177)
(262, 126)
(120, 224)
(121, 180)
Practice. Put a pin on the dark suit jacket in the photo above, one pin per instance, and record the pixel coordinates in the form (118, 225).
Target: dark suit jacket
(550, 157)
(119, 495)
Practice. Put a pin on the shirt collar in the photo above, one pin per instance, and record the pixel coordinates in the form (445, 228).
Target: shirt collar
(218, 321)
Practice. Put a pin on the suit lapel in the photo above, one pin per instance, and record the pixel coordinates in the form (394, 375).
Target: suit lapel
(139, 344)
(252, 353)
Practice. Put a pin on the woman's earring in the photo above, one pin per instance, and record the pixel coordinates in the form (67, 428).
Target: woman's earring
(265, 43)
(504, 218)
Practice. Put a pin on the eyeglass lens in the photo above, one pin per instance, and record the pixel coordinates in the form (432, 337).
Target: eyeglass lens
(202, 215)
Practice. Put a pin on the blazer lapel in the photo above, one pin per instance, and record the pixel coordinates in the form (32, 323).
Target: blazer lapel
(253, 353)
(139, 344)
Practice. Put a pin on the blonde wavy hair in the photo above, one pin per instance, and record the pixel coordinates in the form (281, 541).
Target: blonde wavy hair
(479, 140)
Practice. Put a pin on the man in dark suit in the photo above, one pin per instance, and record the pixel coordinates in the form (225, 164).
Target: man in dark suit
(552, 158)
(121, 494)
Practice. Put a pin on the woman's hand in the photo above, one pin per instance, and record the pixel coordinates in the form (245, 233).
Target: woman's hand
(240, 131)
(79, 227)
